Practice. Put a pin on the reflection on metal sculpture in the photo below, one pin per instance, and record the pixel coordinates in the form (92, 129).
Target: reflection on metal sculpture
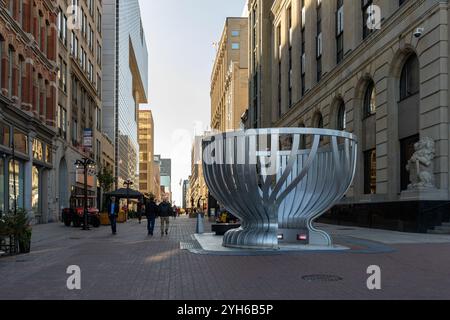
(276, 188)
(420, 166)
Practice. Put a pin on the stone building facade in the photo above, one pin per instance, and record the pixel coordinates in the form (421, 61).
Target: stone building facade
(146, 152)
(337, 65)
(79, 100)
(28, 72)
(229, 79)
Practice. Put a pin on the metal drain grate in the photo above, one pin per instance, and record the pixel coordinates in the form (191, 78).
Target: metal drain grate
(191, 244)
(322, 278)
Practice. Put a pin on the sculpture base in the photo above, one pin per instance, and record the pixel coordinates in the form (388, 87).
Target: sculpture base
(251, 238)
(424, 194)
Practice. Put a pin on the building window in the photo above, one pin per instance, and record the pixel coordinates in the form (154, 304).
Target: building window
(366, 9)
(61, 121)
(20, 79)
(319, 41)
(2, 43)
(20, 12)
(235, 33)
(39, 29)
(341, 117)
(4, 135)
(235, 46)
(370, 172)
(99, 22)
(303, 49)
(340, 31)
(62, 74)
(35, 189)
(10, 71)
(74, 45)
(20, 142)
(99, 119)
(279, 71)
(11, 7)
(409, 79)
(370, 107)
(74, 132)
(99, 54)
(16, 184)
(39, 94)
(289, 16)
(255, 100)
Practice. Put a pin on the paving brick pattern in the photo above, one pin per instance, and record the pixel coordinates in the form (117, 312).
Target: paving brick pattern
(131, 265)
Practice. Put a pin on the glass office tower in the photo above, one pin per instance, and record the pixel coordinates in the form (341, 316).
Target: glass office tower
(125, 82)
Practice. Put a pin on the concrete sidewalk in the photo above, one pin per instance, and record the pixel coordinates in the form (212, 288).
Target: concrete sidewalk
(134, 266)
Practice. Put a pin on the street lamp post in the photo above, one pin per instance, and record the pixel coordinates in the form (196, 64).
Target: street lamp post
(86, 164)
(128, 183)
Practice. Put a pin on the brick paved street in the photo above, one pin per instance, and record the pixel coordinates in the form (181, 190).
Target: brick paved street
(133, 266)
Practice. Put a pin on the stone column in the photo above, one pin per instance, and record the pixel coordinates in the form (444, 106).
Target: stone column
(28, 169)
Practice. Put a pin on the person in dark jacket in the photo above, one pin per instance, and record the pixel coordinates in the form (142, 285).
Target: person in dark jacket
(165, 212)
(151, 212)
(113, 211)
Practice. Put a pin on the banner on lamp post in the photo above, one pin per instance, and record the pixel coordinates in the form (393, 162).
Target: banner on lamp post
(87, 140)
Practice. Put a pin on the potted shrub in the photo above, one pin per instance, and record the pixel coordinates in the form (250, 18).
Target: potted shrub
(19, 227)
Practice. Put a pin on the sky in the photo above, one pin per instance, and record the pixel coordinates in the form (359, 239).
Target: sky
(180, 36)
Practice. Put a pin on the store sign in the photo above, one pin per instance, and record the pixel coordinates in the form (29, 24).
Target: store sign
(87, 139)
(80, 178)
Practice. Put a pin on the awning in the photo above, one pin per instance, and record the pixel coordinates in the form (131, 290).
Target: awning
(125, 193)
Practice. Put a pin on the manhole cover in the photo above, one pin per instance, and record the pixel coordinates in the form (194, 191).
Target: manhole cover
(321, 278)
(75, 238)
(192, 244)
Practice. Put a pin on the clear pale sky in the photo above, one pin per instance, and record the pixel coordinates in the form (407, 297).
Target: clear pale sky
(180, 36)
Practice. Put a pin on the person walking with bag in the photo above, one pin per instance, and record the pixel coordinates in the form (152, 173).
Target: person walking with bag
(113, 211)
(151, 212)
(165, 212)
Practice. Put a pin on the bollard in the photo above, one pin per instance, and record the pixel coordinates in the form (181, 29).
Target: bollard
(200, 227)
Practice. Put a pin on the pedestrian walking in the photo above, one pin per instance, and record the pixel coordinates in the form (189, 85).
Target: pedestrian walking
(165, 211)
(113, 211)
(140, 210)
(151, 212)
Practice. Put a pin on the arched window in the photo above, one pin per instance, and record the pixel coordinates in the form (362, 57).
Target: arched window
(408, 114)
(39, 100)
(370, 107)
(10, 71)
(341, 117)
(19, 80)
(409, 79)
(319, 121)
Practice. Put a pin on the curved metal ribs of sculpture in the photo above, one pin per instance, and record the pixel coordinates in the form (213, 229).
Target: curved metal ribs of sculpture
(275, 193)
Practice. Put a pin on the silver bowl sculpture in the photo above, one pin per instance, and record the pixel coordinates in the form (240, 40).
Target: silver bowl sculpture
(276, 185)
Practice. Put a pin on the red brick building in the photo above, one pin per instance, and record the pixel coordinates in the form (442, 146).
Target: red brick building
(28, 73)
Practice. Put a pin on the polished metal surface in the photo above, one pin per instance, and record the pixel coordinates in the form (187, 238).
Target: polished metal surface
(274, 186)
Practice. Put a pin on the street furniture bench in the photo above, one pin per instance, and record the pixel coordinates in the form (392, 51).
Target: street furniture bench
(221, 228)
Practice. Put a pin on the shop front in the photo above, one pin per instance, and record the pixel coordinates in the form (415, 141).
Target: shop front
(26, 155)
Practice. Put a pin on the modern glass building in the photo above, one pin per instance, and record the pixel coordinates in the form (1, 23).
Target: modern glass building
(125, 82)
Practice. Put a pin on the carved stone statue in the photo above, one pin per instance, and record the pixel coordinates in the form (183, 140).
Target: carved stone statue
(420, 166)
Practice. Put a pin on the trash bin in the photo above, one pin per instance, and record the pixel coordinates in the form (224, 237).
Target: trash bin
(122, 217)
(104, 219)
